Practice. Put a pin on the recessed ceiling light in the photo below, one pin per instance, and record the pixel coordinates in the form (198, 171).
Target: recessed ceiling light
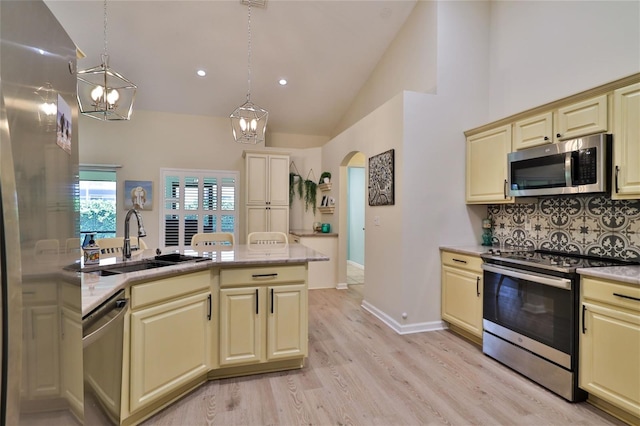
(201, 73)
(282, 82)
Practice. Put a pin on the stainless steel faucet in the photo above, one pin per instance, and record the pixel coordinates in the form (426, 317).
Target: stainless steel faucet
(126, 250)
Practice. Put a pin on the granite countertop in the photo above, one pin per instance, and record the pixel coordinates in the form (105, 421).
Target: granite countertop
(472, 250)
(96, 288)
(310, 233)
(627, 274)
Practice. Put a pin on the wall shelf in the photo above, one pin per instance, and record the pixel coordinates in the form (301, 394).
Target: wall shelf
(327, 210)
(324, 187)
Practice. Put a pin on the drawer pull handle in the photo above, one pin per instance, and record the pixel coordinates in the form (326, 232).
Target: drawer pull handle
(274, 275)
(271, 300)
(626, 297)
(459, 260)
(257, 301)
(584, 328)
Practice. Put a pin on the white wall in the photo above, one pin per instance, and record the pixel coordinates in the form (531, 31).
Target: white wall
(545, 50)
(153, 140)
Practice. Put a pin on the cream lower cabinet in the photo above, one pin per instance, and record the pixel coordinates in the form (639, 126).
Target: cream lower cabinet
(626, 142)
(170, 336)
(265, 321)
(610, 345)
(41, 341)
(486, 174)
(71, 347)
(269, 219)
(462, 289)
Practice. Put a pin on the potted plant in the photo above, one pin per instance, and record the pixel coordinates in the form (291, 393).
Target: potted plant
(325, 177)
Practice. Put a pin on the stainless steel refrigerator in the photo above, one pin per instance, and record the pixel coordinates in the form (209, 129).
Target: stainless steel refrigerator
(41, 352)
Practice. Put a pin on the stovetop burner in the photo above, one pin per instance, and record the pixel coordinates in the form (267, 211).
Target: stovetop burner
(559, 261)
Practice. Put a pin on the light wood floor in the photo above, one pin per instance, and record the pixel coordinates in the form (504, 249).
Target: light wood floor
(360, 372)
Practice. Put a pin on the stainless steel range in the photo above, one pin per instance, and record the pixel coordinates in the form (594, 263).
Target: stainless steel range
(530, 314)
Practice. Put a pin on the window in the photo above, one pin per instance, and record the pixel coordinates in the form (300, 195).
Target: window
(98, 201)
(195, 201)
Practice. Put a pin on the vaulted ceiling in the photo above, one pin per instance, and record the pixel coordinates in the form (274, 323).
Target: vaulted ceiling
(326, 49)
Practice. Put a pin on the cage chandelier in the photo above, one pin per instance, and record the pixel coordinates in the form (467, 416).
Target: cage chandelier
(249, 121)
(103, 93)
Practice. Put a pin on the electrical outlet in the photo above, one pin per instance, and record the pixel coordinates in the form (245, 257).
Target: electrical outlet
(527, 223)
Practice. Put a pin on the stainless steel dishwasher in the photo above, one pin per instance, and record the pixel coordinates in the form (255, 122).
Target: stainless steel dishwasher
(102, 334)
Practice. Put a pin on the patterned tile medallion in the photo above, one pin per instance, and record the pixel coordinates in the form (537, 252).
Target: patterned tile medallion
(593, 225)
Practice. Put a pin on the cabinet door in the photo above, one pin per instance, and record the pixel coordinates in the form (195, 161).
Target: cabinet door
(278, 219)
(487, 166)
(278, 181)
(626, 142)
(43, 351)
(257, 219)
(287, 322)
(241, 325)
(533, 131)
(71, 358)
(609, 356)
(169, 347)
(582, 118)
(462, 299)
(257, 182)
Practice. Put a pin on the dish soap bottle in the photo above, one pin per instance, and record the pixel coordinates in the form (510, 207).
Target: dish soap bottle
(91, 252)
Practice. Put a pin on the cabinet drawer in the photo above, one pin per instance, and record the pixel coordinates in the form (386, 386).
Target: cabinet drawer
(465, 261)
(169, 288)
(266, 275)
(612, 293)
(38, 293)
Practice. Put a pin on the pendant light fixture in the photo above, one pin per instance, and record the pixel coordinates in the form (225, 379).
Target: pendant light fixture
(103, 93)
(249, 121)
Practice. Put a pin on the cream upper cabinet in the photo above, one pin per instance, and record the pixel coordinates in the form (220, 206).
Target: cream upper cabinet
(462, 289)
(582, 118)
(533, 131)
(486, 161)
(263, 314)
(170, 336)
(626, 142)
(568, 122)
(610, 345)
(267, 194)
(267, 179)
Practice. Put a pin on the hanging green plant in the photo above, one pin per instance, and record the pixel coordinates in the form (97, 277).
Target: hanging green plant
(295, 183)
(311, 189)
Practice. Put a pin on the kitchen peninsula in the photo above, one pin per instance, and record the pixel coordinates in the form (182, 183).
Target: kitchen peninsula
(226, 313)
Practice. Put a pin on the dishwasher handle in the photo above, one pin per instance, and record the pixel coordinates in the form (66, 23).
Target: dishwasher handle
(119, 306)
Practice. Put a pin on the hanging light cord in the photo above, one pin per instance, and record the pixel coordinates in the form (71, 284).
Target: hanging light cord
(249, 54)
(105, 56)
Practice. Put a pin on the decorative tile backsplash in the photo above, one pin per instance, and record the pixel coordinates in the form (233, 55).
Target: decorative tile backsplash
(591, 225)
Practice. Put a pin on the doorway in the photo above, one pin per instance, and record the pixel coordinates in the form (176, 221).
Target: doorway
(356, 195)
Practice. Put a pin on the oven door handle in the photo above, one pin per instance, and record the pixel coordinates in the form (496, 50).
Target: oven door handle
(561, 283)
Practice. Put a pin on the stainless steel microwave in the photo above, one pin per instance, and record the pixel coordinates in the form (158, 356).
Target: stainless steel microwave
(576, 166)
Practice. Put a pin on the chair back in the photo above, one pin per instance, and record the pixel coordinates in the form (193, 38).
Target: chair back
(112, 247)
(72, 245)
(267, 238)
(207, 239)
(45, 247)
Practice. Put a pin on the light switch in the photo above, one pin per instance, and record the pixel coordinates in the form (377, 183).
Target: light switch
(376, 220)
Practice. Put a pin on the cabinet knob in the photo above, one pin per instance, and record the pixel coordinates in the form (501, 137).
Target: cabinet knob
(546, 138)
(558, 135)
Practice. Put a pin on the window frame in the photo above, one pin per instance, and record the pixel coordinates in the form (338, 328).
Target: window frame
(201, 174)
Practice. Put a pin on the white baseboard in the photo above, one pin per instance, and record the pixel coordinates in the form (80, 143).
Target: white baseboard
(355, 265)
(342, 286)
(403, 328)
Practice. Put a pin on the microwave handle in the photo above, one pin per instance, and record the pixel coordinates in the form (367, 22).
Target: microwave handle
(568, 170)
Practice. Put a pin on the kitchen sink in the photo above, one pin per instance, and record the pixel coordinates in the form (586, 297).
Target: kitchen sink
(132, 267)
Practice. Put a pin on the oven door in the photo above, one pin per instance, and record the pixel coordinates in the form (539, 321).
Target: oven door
(537, 306)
